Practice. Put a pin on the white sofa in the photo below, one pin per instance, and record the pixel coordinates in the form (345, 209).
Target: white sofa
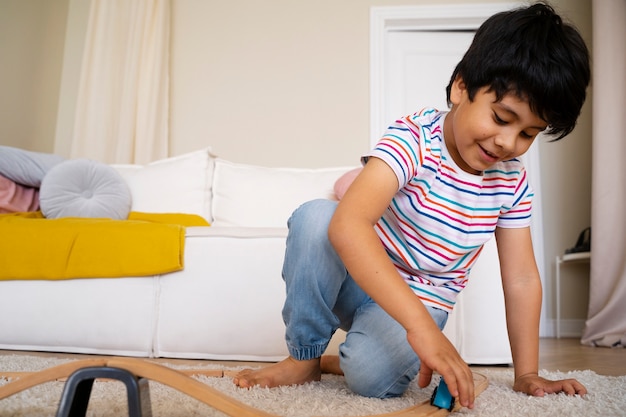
(226, 302)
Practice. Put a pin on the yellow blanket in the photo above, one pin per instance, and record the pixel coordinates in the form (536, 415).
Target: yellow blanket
(33, 247)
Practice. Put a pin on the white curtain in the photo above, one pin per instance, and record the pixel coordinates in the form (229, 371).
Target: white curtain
(606, 324)
(123, 97)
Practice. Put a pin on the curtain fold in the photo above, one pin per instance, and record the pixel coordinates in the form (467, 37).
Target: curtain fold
(122, 112)
(606, 323)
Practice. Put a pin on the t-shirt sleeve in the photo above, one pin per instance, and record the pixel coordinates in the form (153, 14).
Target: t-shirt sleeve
(400, 149)
(519, 213)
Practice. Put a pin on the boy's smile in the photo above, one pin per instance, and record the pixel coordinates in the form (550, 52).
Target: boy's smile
(480, 132)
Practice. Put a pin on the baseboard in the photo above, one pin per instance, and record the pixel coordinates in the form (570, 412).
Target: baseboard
(569, 328)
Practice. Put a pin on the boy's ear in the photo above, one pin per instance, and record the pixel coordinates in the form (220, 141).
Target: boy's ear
(457, 90)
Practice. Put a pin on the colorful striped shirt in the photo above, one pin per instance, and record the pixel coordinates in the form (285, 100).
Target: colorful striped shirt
(438, 222)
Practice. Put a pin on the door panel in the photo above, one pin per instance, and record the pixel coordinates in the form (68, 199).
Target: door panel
(419, 66)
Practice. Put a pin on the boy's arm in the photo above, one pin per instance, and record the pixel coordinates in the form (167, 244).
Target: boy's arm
(352, 234)
(523, 296)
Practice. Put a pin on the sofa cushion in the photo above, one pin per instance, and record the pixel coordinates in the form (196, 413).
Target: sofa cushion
(181, 184)
(253, 196)
(26, 167)
(84, 188)
(344, 182)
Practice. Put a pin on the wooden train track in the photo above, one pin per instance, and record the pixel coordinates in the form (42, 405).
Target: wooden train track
(183, 381)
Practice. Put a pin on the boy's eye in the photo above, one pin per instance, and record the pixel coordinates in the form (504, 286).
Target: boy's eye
(498, 119)
(503, 122)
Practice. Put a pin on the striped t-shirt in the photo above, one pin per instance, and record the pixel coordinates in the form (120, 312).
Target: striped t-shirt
(437, 223)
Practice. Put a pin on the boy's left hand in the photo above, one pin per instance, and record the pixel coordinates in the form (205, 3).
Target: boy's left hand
(537, 386)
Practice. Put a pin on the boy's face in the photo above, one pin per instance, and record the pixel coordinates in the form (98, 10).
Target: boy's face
(483, 131)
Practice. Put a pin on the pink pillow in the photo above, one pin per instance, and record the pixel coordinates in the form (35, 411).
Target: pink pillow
(17, 198)
(343, 183)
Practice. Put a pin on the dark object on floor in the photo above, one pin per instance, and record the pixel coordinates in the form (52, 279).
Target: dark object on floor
(583, 244)
(75, 398)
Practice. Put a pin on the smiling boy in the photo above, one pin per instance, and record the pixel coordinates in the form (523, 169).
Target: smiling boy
(387, 263)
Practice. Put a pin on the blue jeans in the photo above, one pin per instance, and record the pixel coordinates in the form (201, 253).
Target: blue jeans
(376, 357)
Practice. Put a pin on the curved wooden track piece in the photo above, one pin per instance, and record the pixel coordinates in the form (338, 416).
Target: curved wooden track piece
(182, 381)
(424, 409)
(30, 379)
(213, 373)
(144, 369)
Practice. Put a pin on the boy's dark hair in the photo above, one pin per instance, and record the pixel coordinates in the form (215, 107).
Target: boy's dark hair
(532, 53)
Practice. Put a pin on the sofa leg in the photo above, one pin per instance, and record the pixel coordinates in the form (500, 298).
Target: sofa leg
(77, 390)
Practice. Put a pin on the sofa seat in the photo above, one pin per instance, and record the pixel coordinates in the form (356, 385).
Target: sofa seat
(113, 316)
(238, 318)
(193, 313)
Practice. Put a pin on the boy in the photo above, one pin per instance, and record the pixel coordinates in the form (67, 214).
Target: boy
(388, 261)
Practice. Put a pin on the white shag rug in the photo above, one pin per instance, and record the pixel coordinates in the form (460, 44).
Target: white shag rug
(330, 397)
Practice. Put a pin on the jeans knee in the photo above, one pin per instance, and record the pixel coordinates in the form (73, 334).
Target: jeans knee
(308, 227)
(376, 378)
(309, 253)
(376, 358)
(372, 370)
(313, 216)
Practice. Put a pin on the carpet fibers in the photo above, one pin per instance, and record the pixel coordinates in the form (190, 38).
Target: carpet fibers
(330, 397)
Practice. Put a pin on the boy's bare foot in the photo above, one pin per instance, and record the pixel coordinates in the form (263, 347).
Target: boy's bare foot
(330, 365)
(288, 372)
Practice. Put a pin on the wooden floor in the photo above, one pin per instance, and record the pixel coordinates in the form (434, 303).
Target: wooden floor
(555, 355)
(570, 355)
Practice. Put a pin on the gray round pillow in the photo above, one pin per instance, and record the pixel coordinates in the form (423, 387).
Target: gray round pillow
(84, 188)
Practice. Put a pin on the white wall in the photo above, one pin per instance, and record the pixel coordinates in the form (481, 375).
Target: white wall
(566, 194)
(287, 83)
(32, 35)
(279, 82)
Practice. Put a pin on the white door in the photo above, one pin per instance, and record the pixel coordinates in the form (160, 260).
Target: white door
(418, 69)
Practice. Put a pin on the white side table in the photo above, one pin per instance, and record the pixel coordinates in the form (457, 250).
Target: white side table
(566, 258)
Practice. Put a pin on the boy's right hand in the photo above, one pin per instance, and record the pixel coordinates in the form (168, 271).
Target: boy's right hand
(438, 354)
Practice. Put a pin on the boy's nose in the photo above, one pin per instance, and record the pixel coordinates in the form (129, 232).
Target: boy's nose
(506, 141)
